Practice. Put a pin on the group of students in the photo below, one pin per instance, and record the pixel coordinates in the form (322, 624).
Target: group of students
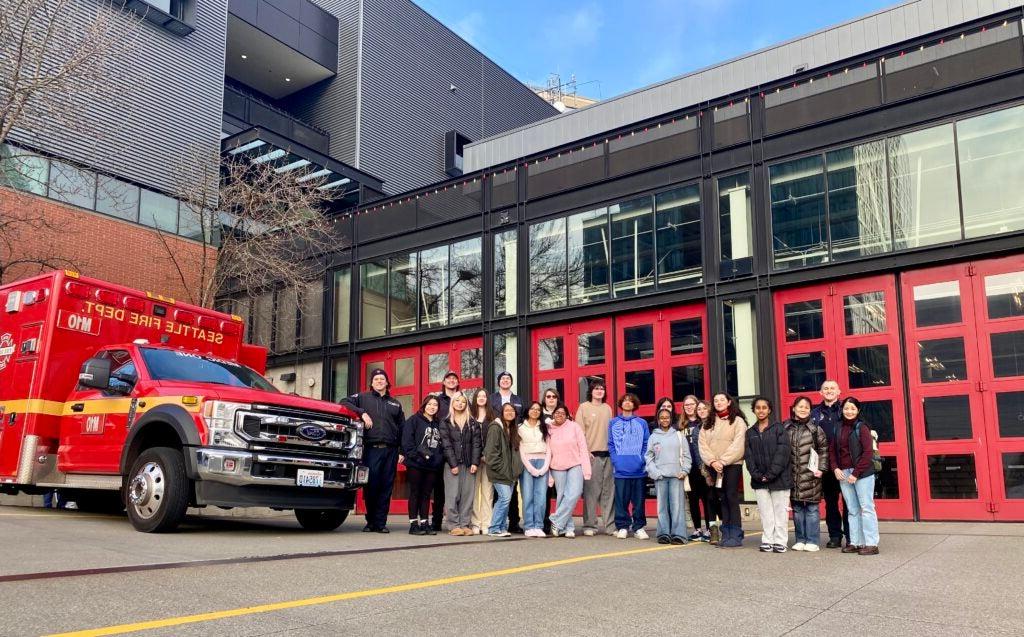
(469, 456)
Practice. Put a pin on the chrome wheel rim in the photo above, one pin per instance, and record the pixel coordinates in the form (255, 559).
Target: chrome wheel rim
(146, 490)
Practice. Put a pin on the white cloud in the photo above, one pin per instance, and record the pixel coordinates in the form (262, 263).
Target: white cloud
(470, 27)
(578, 28)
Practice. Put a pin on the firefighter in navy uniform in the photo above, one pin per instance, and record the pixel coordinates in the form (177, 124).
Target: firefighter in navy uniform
(382, 416)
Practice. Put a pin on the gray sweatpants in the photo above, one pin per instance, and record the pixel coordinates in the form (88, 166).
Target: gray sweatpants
(458, 497)
(599, 490)
(773, 507)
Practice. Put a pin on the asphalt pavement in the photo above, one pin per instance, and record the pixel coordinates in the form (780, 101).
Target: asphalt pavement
(69, 571)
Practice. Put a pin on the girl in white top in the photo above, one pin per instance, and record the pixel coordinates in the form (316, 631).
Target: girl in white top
(536, 455)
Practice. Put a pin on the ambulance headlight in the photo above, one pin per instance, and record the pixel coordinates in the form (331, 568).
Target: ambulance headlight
(220, 419)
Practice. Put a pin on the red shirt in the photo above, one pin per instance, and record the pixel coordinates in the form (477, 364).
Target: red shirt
(839, 452)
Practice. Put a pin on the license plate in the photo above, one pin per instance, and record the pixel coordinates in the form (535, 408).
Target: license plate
(309, 478)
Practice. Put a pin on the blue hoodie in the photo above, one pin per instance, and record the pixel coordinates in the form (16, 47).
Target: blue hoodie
(627, 444)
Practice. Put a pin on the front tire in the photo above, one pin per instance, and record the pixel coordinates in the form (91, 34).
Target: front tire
(157, 491)
(320, 519)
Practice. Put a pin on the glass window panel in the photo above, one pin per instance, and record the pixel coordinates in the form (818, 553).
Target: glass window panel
(472, 363)
(406, 401)
(804, 321)
(506, 355)
(677, 218)
(373, 293)
(556, 384)
(937, 303)
(858, 201)
(632, 247)
(878, 414)
(590, 346)
(1008, 354)
(686, 336)
(285, 320)
(687, 380)
(922, 169)
(505, 269)
(991, 152)
(735, 217)
(311, 314)
(868, 366)
(641, 383)
(639, 342)
(369, 366)
(864, 313)
(587, 252)
(467, 278)
(942, 360)
(947, 418)
(547, 265)
(887, 482)
(342, 304)
(806, 371)
(158, 211)
(339, 379)
(799, 233)
(1005, 295)
(77, 187)
(741, 359)
(1013, 475)
(551, 354)
(1010, 410)
(434, 287)
(23, 170)
(952, 477)
(195, 224)
(117, 198)
(402, 297)
(437, 367)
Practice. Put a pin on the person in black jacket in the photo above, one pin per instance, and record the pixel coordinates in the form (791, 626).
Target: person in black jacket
(769, 461)
(460, 437)
(424, 456)
(382, 419)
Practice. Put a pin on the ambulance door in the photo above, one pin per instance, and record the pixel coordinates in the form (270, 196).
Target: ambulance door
(95, 422)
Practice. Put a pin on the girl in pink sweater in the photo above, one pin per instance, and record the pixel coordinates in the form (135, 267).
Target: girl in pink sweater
(570, 466)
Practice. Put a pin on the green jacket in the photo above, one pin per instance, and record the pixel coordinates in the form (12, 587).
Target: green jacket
(503, 463)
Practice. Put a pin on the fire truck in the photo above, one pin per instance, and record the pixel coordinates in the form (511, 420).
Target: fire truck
(121, 399)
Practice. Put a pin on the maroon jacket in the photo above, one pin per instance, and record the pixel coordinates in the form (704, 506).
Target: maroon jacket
(839, 449)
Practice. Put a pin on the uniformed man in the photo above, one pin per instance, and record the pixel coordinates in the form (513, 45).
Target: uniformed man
(382, 417)
(828, 416)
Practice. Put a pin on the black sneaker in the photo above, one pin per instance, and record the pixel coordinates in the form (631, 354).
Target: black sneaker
(368, 529)
(765, 548)
(663, 539)
(778, 548)
(834, 544)
(383, 529)
(415, 528)
(427, 529)
(678, 539)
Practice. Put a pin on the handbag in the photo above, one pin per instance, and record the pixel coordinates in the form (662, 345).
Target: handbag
(682, 441)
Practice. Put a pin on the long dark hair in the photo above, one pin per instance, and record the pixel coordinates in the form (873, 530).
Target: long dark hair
(511, 426)
(853, 401)
(543, 423)
(489, 414)
(732, 412)
(792, 406)
(709, 421)
(423, 405)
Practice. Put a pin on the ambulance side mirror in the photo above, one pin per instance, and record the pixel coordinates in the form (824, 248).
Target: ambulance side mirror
(95, 373)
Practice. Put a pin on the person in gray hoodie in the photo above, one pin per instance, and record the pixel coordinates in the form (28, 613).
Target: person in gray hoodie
(668, 463)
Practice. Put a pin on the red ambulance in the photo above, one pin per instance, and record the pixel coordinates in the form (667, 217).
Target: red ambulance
(124, 399)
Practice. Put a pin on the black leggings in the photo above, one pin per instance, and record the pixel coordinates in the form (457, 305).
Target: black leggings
(421, 488)
(729, 494)
(699, 495)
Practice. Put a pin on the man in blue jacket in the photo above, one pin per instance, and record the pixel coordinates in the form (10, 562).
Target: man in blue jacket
(828, 417)
(627, 444)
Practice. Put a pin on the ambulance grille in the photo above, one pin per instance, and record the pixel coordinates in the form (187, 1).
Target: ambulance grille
(278, 431)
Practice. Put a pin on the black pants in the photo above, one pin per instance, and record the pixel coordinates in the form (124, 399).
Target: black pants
(383, 463)
(438, 517)
(838, 522)
(421, 489)
(698, 496)
(729, 494)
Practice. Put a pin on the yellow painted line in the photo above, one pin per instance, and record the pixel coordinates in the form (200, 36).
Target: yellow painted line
(340, 597)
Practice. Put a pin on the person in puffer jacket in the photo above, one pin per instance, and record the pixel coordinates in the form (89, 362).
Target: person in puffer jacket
(770, 464)
(805, 436)
(627, 444)
(424, 456)
(721, 443)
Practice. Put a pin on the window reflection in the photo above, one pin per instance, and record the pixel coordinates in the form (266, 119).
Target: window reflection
(923, 181)
(632, 247)
(77, 187)
(991, 153)
(734, 216)
(373, 291)
(1005, 295)
(550, 353)
(466, 279)
(506, 267)
(741, 355)
(591, 348)
(402, 296)
(639, 342)
(804, 321)
(868, 366)
(858, 201)
(864, 313)
(678, 236)
(942, 360)
(342, 304)
(937, 304)
(547, 265)
(587, 256)
(799, 232)
(433, 287)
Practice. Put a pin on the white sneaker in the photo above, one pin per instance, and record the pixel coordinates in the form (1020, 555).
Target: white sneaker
(641, 534)
(589, 532)
(476, 530)
(570, 534)
(622, 534)
(799, 546)
(539, 533)
(811, 548)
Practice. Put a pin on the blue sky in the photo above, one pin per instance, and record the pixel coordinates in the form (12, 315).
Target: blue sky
(615, 46)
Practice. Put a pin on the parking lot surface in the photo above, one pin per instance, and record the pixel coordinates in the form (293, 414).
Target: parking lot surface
(87, 574)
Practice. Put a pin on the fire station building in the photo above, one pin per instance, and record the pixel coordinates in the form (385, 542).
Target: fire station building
(848, 205)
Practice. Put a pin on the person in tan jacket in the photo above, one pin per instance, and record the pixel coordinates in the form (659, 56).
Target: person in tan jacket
(721, 443)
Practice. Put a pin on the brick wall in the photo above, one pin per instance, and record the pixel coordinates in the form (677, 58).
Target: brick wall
(99, 246)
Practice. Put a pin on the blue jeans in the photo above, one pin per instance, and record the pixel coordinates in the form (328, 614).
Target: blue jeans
(629, 491)
(860, 502)
(569, 485)
(807, 522)
(671, 507)
(535, 496)
(499, 517)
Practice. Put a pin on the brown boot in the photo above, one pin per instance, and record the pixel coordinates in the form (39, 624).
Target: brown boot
(852, 548)
(716, 535)
(868, 550)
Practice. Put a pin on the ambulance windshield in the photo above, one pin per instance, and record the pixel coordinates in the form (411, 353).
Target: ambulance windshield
(168, 364)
